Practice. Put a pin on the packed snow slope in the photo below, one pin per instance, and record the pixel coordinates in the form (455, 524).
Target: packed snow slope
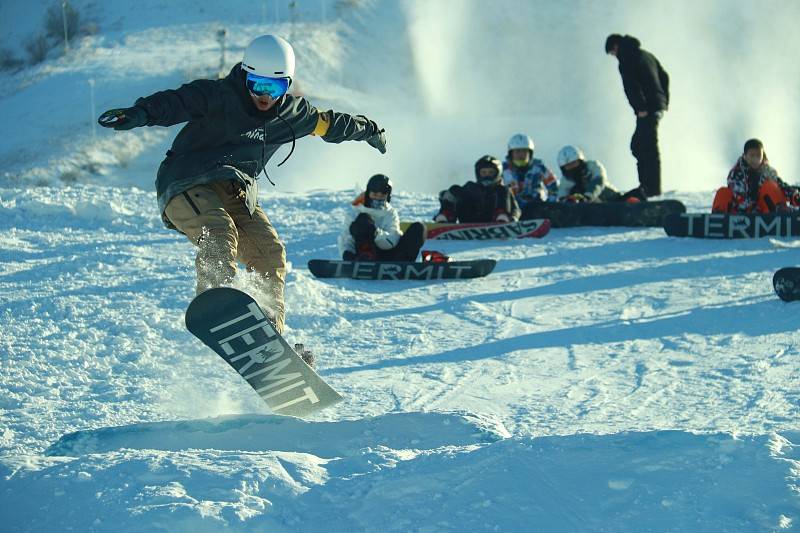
(600, 379)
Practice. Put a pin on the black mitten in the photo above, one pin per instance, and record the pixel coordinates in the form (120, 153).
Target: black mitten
(363, 229)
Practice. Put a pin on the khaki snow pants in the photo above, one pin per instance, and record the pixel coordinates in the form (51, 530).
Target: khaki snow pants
(215, 218)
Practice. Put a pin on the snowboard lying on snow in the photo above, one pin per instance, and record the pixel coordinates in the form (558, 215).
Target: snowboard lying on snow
(723, 226)
(786, 282)
(480, 231)
(232, 324)
(567, 215)
(401, 270)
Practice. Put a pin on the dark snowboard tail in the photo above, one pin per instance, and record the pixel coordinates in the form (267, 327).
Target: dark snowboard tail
(482, 231)
(786, 282)
(232, 324)
(400, 270)
(722, 226)
(568, 215)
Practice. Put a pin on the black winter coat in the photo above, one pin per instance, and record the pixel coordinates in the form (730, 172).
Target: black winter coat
(478, 203)
(227, 138)
(645, 81)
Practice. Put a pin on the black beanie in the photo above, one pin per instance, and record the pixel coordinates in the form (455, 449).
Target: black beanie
(753, 144)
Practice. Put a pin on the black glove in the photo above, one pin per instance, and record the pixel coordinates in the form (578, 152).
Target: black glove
(363, 229)
(378, 141)
(378, 138)
(124, 119)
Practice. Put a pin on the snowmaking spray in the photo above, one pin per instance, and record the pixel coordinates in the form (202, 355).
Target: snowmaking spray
(540, 68)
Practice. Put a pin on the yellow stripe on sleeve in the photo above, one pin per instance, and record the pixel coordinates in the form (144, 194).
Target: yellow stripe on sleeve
(323, 123)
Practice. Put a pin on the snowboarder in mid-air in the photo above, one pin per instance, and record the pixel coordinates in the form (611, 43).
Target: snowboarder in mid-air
(484, 200)
(372, 228)
(754, 185)
(528, 177)
(207, 184)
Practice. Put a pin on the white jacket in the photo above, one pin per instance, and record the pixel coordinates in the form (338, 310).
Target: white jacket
(594, 187)
(387, 222)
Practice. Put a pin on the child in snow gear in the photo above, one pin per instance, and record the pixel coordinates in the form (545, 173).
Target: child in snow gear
(372, 229)
(754, 186)
(207, 186)
(486, 199)
(586, 181)
(528, 177)
(646, 85)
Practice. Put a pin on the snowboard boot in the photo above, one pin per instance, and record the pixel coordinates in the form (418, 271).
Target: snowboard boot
(637, 192)
(445, 216)
(306, 355)
(366, 252)
(432, 256)
(500, 215)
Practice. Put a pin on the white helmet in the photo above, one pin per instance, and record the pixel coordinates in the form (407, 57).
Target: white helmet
(269, 56)
(520, 141)
(568, 154)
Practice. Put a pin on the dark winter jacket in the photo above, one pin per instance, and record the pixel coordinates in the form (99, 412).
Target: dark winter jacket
(478, 203)
(227, 138)
(645, 81)
(588, 179)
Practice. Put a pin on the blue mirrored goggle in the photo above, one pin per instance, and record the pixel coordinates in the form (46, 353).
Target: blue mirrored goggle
(261, 85)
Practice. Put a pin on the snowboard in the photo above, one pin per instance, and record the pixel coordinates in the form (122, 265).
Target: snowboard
(786, 282)
(232, 324)
(567, 215)
(401, 270)
(723, 226)
(481, 231)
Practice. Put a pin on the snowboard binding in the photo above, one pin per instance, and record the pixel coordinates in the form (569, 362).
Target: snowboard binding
(432, 256)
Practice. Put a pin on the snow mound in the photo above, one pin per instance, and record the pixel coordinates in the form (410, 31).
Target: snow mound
(280, 433)
(403, 472)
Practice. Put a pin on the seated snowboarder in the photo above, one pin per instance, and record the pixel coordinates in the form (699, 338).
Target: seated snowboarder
(372, 229)
(754, 186)
(528, 177)
(582, 180)
(484, 200)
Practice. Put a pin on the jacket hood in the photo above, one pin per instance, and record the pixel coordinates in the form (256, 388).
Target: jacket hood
(630, 42)
(629, 49)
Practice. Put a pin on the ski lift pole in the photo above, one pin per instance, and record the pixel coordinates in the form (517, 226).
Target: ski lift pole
(94, 114)
(64, 18)
(221, 34)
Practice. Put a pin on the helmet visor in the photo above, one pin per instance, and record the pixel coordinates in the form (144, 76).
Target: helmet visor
(487, 175)
(264, 86)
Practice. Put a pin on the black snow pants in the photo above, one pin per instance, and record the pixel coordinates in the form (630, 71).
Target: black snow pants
(644, 147)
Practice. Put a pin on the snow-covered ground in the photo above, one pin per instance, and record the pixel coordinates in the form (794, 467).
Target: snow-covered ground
(613, 380)
(598, 380)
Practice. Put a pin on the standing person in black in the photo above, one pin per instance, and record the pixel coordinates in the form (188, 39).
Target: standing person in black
(646, 85)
